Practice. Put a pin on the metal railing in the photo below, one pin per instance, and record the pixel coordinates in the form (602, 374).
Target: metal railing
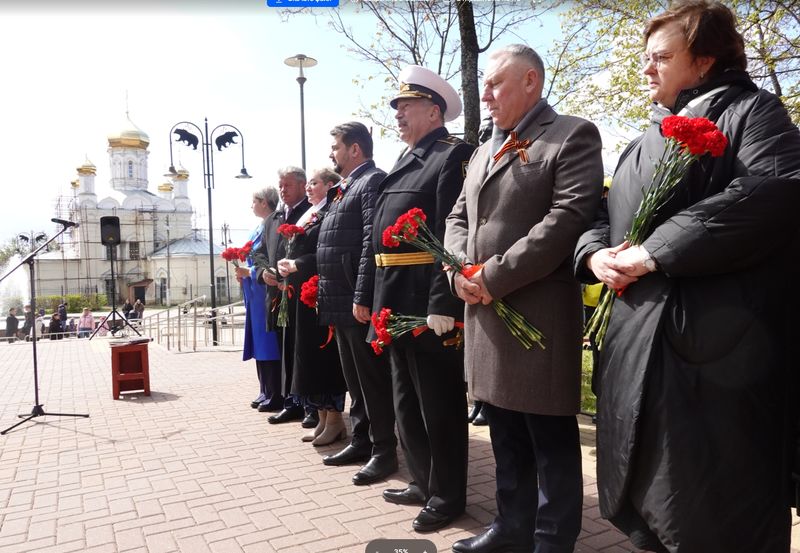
(188, 326)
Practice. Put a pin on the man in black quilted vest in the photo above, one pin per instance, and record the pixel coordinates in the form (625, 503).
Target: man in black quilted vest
(346, 265)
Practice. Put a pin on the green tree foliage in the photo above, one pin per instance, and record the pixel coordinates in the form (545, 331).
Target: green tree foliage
(597, 69)
(75, 302)
(7, 251)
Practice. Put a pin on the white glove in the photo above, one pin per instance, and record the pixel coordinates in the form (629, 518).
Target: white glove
(440, 323)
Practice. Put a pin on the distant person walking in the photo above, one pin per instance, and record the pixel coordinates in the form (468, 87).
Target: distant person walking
(62, 314)
(27, 325)
(12, 325)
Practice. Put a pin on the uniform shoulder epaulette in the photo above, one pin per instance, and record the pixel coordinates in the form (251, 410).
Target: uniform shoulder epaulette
(450, 139)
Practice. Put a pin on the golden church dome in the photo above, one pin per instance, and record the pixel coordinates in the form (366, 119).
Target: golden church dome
(130, 137)
(87, 168)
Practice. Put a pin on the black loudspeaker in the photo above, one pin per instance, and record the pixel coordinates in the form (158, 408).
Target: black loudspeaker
(109, 231)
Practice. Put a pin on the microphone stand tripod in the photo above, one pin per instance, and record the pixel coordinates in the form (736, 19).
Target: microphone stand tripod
(38, 408)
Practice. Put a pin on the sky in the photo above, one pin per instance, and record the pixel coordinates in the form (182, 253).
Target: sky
(69, 76)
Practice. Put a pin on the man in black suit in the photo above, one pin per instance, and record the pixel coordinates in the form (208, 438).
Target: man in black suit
(346, 265)
(291, 187)
(427, 375)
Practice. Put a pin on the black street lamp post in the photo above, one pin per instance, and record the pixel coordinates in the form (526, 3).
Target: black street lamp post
(301, 61)
(222, 141)
(226, 241)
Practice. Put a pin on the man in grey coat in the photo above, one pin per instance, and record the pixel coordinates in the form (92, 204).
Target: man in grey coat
(529, 194)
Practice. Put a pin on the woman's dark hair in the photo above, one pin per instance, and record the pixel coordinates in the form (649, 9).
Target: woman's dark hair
(709, 29)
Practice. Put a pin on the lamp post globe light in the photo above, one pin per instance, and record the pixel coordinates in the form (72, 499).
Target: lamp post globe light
(221, 141)
(301, 61)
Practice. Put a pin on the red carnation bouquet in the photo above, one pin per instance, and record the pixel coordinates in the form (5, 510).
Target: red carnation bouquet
(290, 233)
(390, 326)
(309, 292)
(687, 139)
(235, 255)
(411, 228)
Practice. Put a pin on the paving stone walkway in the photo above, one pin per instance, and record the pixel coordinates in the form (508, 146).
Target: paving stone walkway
(194, 469)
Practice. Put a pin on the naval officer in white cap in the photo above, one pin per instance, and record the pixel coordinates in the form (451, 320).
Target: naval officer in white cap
(427, 375)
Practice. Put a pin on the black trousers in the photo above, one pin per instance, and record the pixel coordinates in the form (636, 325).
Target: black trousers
(429, 404)
(287, 366)
(369, 381)
(269, 381)
(539, 478)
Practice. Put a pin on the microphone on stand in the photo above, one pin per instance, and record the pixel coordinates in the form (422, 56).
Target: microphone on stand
(64, 222)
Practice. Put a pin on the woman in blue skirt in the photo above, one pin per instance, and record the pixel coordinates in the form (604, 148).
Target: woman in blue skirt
(258, 343)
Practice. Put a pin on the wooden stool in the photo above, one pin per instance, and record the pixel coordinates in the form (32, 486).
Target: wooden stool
(130, 368)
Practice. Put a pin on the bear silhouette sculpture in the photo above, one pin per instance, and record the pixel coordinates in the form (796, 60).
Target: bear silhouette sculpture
(187, 137)
(225, 140)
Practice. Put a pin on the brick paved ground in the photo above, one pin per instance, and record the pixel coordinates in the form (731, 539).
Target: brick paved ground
(193, 469)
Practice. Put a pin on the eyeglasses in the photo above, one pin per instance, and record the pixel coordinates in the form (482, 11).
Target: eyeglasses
(656, 58)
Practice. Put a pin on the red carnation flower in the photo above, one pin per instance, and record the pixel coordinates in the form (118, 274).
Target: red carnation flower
(390, 239)
(309, 291)
(290, 231)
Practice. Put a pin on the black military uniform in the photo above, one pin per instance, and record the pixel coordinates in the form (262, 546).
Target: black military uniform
(427, 376)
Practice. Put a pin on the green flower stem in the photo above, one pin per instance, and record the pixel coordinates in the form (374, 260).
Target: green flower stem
(402, 324)
(670, 169)
(520, 328)
(283, 309)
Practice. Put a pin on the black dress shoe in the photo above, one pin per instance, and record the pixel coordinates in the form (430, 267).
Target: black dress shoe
(406, 496)
(311, 420)
(376, 469)
(476, 408)
(268, 407)
(480, 420)
(256, 402)
(348, 456)
(491, 541)
(286, 415)
(431, 519)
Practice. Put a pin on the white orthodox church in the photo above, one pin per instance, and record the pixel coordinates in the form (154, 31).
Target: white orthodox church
(160, 259)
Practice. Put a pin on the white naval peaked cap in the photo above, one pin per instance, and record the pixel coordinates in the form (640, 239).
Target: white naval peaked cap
(420, 82)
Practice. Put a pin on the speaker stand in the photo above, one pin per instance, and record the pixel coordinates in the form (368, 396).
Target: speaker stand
(114, 313)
